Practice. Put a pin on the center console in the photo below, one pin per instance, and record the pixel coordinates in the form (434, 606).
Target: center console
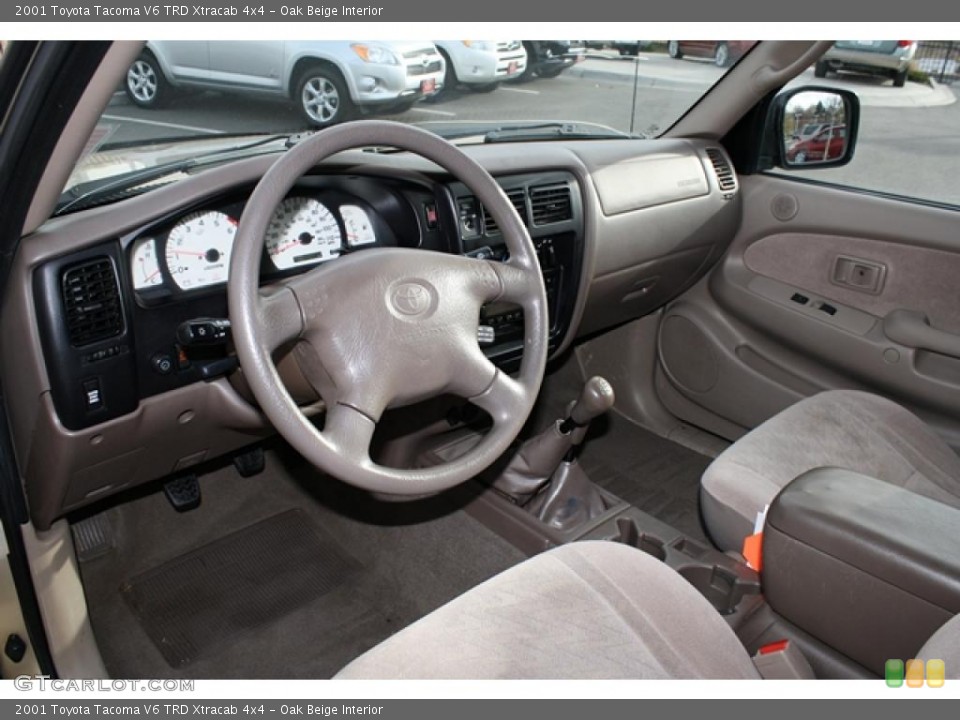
(868, 567)
(538, 496)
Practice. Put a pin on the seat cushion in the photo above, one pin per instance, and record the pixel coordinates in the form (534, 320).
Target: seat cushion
(944, 645)
(840, 428)
(585, 610)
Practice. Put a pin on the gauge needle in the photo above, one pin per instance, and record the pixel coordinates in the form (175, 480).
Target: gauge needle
(189, 252)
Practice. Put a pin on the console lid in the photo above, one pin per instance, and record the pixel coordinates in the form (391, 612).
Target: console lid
(868, 567)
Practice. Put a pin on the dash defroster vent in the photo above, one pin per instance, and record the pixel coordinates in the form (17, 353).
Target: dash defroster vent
(726, 178)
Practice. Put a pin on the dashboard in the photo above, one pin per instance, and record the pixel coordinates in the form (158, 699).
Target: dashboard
(127, 373)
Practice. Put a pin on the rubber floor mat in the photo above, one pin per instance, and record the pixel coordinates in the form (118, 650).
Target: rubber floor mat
(248, 579)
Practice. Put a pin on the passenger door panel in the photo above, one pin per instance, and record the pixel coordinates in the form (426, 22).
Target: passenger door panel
(823, 287)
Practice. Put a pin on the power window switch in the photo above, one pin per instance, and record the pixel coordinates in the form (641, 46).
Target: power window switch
(800, 299)
(92, 394)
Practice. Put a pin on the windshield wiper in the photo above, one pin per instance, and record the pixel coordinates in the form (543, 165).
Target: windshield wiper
(539, 131)
(88, 194)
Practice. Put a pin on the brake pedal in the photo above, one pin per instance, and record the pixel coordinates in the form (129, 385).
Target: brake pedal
(183, 493)
(250, 463)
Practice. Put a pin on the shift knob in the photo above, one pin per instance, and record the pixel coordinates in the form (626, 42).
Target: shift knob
(595, 399)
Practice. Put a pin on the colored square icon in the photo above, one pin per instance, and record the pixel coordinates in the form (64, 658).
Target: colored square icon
(936, 672)
(893, 673)
(914, 673)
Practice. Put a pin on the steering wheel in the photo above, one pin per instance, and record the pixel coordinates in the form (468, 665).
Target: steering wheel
(385, 327)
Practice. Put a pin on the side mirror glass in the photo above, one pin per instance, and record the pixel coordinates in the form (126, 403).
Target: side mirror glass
(816, 127)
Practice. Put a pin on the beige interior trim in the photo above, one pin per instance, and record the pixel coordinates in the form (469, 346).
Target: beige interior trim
(79, 128)
(63, 607)
(11, 620)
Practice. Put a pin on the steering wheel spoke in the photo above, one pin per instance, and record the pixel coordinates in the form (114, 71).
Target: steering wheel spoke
(516, 283)
(503, 396)
(349, 433)
(281, 320)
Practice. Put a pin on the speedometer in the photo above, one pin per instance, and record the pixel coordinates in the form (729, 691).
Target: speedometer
(198, 249)
(302, 231)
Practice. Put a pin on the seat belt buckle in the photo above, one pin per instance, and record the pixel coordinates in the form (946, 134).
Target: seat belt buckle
(782, 660)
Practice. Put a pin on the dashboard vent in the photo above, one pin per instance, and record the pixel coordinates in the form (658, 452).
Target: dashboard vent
(91, 302)
(550, 204)
(518, 198)
(725, 177)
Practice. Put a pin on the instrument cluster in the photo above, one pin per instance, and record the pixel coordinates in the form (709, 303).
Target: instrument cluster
(194, 252)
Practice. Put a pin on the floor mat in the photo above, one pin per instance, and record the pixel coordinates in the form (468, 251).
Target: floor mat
(215, 594)
(413, 557)
(652, 473)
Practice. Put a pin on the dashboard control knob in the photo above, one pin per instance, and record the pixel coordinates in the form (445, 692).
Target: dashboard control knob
(162, 363)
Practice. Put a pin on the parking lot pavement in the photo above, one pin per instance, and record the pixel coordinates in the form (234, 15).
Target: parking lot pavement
(651, 69)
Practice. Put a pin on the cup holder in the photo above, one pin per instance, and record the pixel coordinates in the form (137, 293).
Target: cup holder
(629, 534)
(717, 584)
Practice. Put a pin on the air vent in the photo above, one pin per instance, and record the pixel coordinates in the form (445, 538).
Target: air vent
(725, 177)
(518, 198)
(91, 301)
(550, 204)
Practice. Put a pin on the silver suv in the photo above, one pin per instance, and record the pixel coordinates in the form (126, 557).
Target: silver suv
(328, 81)
(871, 57)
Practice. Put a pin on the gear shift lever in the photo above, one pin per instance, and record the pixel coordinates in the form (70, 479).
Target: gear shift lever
(595, 399)
(539, 458)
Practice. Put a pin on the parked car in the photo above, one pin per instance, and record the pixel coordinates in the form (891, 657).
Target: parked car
(481, 65)
(723, 52)
(328, 81)
(808, 130)
(630, 47)
(549, 58)
(889, 58)
(827, 144)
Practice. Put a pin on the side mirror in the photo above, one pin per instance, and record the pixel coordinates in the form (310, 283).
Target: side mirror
(815, 127)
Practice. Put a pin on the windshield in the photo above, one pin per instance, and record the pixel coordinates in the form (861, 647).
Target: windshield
(230, 98)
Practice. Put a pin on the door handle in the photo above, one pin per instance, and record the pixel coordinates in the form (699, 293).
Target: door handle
(912, 329)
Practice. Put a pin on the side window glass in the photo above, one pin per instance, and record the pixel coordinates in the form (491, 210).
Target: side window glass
(908, 142)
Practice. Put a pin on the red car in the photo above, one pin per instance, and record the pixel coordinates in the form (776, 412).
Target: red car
(828, 144)
(723, 52)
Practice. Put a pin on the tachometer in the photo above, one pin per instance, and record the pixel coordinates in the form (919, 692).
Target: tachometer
(358, 225)
(145, 266)
(198, 249)
(302, 232)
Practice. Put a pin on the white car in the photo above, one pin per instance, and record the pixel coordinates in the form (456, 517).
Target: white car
(481, 65)
(329, 81)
